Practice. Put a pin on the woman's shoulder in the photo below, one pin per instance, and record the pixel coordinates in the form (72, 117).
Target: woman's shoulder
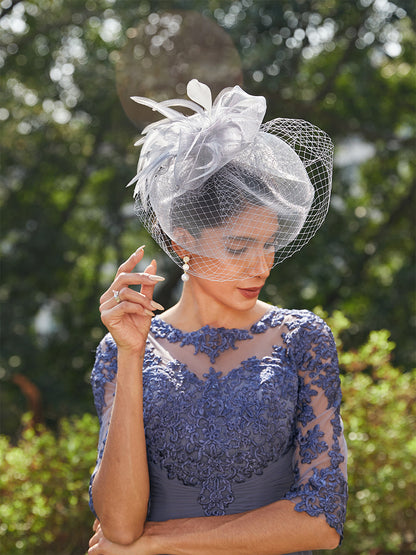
(292, 319)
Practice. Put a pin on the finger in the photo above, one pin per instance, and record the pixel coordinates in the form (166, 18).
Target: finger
(132, 261)
(95, 525)
(127, 294)
(125, 307)
(106, 547)
(147, 289)
(127, 279)
(95, 539)
(146, 306)
(96, 549)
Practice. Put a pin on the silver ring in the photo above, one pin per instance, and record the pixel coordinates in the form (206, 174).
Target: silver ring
(116, 295)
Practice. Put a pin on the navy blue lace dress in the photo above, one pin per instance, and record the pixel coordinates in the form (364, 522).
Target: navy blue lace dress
(236, 419)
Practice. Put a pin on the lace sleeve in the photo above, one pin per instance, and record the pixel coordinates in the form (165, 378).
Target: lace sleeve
(320, 457)
(103, 381)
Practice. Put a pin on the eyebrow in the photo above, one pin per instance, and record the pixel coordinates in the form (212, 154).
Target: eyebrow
(249, 239)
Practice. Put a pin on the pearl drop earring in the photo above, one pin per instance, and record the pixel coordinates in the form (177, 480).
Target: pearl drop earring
(185, 268)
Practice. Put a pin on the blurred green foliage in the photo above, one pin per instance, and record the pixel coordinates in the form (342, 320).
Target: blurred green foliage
(44, 489)
(380, 421)
(44, 478)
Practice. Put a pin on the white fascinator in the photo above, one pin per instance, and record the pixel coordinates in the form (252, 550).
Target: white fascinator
(227, 191)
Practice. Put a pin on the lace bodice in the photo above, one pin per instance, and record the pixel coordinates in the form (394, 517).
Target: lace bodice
(224, 408)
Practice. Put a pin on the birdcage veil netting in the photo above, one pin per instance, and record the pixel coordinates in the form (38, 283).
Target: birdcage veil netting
(233, 194)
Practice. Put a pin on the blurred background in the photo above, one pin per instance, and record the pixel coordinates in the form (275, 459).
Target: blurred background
(67, 70)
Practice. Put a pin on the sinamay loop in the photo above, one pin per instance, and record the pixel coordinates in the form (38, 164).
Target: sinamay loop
(235, 195)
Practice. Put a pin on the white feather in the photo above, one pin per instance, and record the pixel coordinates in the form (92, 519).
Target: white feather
(200, 93)
(185, 103)
(158, 107)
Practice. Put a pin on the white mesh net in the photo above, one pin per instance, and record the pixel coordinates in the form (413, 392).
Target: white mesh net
(236, 205)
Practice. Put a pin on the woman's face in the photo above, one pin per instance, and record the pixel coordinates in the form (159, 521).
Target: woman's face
(244, 255)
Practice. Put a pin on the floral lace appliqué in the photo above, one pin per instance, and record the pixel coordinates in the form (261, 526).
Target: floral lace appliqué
(105, 369)
(211, 341)
(211, 433)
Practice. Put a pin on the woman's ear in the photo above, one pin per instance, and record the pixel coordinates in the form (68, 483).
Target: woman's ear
(183, 241)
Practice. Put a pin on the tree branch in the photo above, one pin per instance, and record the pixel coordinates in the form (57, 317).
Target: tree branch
(33, 397)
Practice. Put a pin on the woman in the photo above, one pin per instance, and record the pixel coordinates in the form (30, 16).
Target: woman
(220, 427)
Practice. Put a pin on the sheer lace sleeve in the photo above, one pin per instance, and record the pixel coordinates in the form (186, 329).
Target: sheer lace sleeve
(320, 458)
(103, 381)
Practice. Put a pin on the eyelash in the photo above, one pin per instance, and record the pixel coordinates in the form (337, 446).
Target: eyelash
(244, 249)
(236, 251)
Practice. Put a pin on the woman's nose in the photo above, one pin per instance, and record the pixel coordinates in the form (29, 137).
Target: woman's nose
(262, 264)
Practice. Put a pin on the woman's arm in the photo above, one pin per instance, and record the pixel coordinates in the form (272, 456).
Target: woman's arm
(274, 529)
(120, 488)
(271, 530)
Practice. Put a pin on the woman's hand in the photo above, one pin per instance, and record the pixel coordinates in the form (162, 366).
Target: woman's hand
(127, 313)
(99, 545)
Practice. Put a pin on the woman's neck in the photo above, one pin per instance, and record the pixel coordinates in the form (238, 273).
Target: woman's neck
(196, 309)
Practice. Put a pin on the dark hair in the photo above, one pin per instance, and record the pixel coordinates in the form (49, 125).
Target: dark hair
(224, 195)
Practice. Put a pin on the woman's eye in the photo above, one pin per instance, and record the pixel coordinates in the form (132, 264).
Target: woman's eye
(236, 251)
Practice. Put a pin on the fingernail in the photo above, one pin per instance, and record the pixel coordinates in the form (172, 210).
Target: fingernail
(140, 248)
(154, 278)
(156, 306)
(148, 312)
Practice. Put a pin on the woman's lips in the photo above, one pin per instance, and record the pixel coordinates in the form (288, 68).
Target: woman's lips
(250, 292)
